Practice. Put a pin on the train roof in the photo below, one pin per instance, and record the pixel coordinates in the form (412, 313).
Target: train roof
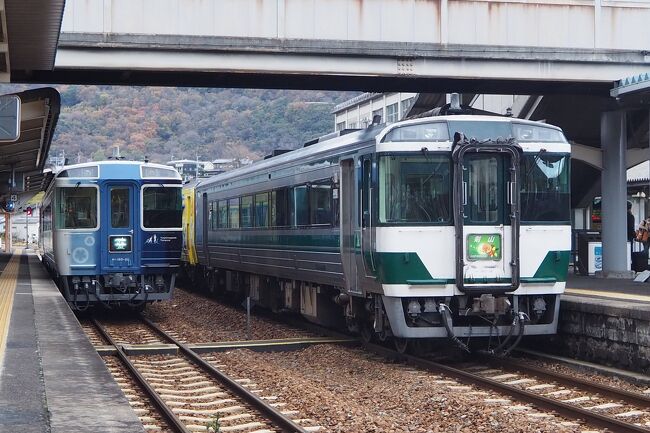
(358, 136)
(331, 142)
(160, 171)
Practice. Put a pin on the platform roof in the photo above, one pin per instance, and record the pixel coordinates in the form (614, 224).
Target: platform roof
(632, 84)
(40, 110)
(29, 35)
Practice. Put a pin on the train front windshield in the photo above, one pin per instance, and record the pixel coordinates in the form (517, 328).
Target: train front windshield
(545, 189)
(162, 207)
(415, 189)
(76, 208)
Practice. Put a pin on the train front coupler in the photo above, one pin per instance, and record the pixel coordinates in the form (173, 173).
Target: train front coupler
(518, 325)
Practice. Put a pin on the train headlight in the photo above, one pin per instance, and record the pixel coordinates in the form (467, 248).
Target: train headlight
(430, 306)
(539, 306)
(414, 307)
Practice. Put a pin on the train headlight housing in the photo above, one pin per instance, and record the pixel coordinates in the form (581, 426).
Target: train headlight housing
(414, 307)
(539, 306)
(430, 306)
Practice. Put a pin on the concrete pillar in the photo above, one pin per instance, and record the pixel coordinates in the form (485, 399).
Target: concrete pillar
(613, 139)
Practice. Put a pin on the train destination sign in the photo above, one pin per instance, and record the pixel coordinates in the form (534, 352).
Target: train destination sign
(484, 247)
(119, 244)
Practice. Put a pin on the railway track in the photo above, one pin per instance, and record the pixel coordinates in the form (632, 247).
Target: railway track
(570, 396)
(191, 394)
(574, 398)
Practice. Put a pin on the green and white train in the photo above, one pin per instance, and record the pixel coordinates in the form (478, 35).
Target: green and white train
(438, 227)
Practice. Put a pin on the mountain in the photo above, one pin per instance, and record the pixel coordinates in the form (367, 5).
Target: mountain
(164, 123)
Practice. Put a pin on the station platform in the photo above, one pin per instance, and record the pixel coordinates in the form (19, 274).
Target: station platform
(51, 378)
(603, 320)
(626, 291)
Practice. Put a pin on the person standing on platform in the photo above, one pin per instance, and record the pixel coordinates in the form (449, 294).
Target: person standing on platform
(642, 234)
(631, 232)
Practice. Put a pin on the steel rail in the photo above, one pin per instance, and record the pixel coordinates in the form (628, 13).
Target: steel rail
(167, 413)
(564, 409)
(605, 390)
(272, 414)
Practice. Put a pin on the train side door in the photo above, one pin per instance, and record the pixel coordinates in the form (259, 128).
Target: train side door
(121, 243)
(366, 217)
(348, 193)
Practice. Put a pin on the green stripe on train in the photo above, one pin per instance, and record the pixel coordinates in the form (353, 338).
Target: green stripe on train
(407, 268)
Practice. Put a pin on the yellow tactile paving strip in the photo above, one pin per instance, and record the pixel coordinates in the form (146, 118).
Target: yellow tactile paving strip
(608, 294)
(8, 280)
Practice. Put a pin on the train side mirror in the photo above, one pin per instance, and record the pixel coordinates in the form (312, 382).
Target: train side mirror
(9, 118)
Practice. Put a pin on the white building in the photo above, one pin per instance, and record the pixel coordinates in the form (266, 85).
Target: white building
(358, 112)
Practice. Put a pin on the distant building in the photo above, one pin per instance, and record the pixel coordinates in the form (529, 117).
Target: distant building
(391, 107)
(190, 169)
(221, 165)
(358, 112)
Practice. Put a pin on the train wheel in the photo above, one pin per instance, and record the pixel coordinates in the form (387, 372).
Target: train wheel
(366, 332)
(401, 344)
(211, 283)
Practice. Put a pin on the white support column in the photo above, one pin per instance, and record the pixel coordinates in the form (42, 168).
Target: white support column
(613, 138)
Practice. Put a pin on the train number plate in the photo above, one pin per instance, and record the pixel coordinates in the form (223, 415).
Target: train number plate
(484, 246)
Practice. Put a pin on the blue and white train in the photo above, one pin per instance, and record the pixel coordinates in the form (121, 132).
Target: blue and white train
(111, 232)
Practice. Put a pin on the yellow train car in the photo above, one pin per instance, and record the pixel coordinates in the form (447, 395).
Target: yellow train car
(188, 255)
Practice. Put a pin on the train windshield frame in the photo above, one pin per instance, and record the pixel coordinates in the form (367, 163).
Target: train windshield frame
(162, 207)
(415, 189)
(77, 207)
(545, 190)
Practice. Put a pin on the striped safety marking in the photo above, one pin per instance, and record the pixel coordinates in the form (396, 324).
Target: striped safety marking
(8, 280)
(608, 294)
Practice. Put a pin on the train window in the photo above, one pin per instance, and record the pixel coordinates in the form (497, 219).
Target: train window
(153, 172)
(545, 192)
(120, 204)
(162, 207)
(262, 210)
(436, 131)
(483, 189)
(299, 205)
(414, 189)
(77, 208)
(212, 215)
(481, 130)
(47, 218)
(87, 172)
(279, 202)
(233, 213)
(246, 219)
(222, 209)
(525, 132)
(320, 203)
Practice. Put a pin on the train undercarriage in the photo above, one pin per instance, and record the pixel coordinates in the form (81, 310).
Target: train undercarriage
(495, 323)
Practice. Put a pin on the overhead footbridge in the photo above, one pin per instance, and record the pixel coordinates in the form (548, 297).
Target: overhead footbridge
(504, 46)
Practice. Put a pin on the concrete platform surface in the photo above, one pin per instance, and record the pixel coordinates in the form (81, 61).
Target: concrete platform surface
(51, 378)
(630, 293)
